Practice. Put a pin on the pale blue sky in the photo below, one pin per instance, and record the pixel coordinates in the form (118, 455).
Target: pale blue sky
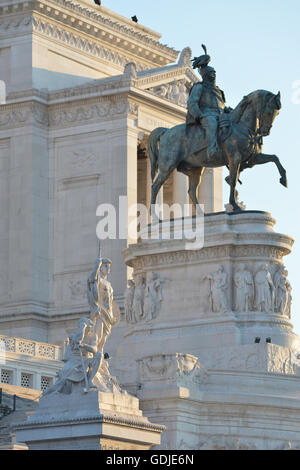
(253, 45)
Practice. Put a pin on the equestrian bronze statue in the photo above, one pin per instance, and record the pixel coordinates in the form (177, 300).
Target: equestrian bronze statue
(214, 136)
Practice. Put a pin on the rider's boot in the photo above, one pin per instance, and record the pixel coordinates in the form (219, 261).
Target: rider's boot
(211, 126)
(212, 149)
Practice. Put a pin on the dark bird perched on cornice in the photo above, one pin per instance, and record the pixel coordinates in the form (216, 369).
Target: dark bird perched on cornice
(134, 18)
(98, 2)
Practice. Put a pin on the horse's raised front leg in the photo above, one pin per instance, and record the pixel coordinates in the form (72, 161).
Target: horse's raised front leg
(262, 158)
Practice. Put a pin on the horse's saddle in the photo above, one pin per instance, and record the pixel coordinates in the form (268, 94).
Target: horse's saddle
(196, 139)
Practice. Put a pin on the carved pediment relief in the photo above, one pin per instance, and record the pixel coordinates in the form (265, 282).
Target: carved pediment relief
(173, 82)
(176, 91)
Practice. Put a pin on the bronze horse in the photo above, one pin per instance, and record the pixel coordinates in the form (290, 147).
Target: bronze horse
(239, 148)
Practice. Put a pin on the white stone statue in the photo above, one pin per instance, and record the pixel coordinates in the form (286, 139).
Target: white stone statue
(85, 364)
(218, 290)
(128, 302)
(277, 277)
(153, 296)
(138, 299)
(92, 288)
(175, 93)
(281, 296)
(289, 300)
(244, 285)
(104, 312)
(283, 290)
(183, 94)
(264, 290)
(82, 360)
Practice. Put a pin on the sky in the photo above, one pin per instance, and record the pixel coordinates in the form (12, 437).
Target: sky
(253, 45)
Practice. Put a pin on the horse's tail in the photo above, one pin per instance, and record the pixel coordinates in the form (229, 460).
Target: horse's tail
(153, 148)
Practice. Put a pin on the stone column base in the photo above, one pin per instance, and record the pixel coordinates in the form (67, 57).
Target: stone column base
(91, 421)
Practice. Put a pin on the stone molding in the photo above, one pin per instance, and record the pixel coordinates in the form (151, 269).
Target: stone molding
(104, 86)
(34, 112)
(99, 418)
(168, 74)
(215, 319)
(78, 181)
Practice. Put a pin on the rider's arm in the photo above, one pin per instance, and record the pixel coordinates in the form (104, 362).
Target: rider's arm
(193, 101)
(88, 347)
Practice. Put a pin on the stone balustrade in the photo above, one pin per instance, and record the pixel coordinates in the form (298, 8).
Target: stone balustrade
(35, 349)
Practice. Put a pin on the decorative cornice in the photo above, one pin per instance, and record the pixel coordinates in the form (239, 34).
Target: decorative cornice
(65, 8)
(141, 423)
(106, 86)
(71, 16)
(83, 43)
(167, 75)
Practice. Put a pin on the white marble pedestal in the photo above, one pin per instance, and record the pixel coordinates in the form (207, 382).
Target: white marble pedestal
(89, 421)
(196, 365)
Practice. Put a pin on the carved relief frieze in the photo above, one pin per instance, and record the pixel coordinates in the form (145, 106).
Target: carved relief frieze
(255, 286)
(177, 91)
(143, 298)
(172, 367)
(178, 257)
(218, 290)
(16, 115)
(258, 358)
(10, 24)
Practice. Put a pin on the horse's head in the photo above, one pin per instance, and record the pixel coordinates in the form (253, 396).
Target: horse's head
(258, 111)
(269, 111)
